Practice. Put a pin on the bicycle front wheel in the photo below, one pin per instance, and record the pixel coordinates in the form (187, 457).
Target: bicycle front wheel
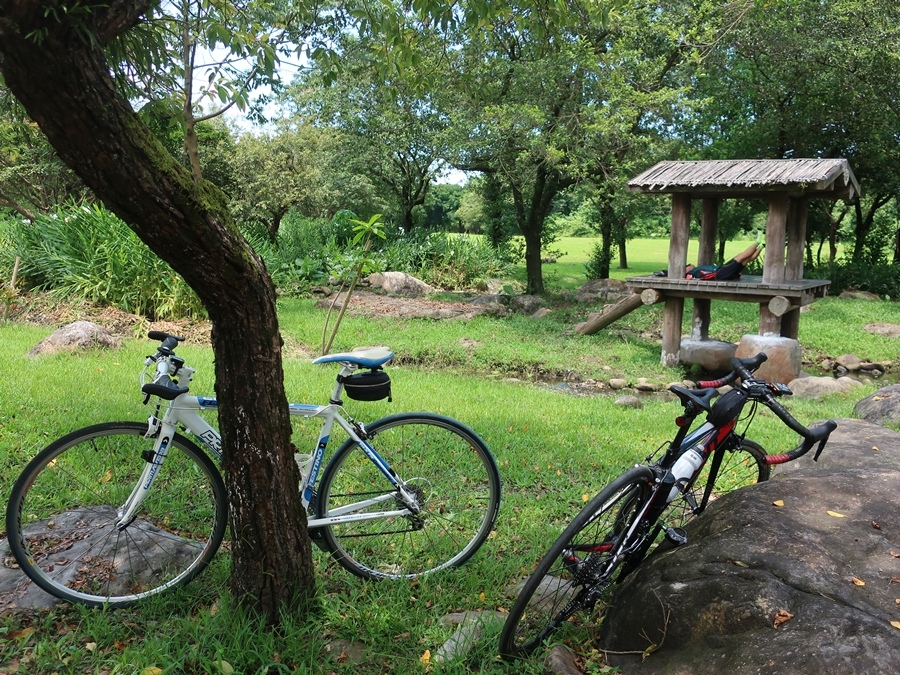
(453, 475)
(62, 516)
(580, 565)
(742, 465)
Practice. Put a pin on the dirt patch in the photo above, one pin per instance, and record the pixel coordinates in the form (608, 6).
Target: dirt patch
(886, 329)
(366, 303)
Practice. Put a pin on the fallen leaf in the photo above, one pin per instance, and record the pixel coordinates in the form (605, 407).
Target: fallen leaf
(481, 596)
(91, 646)
(897, 601)
(876, 525)
(426, 657)
(24, 633)
(895, 624)
(875, 448)
(225, 667)
(649, 651)
(740, 564)
(778, 502)
(151, 670)
(894, 554)
(858, 582)
(895, 580)
(781, 616)
(835, 514)
(585, 497)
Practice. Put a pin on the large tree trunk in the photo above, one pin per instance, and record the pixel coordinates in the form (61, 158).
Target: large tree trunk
(63, 81)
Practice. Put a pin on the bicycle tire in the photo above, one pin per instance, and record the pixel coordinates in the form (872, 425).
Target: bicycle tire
(62, 513)
(560, 586)
(452, 471)
(742, 465)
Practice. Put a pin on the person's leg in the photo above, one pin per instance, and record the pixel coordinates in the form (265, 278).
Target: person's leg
(749, 254)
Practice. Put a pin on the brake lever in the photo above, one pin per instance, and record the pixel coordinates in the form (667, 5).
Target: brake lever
(819, 449)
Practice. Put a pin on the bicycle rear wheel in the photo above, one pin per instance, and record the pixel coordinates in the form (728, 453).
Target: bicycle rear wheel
(450, 470)
(581, 564)
(742, 465)
(62, 514)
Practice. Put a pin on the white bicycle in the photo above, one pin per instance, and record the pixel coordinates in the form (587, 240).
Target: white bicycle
(116, 512)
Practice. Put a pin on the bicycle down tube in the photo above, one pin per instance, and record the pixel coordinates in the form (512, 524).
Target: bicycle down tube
(183, 410)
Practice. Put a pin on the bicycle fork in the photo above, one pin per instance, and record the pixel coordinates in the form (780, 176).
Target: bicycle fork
(163, 433)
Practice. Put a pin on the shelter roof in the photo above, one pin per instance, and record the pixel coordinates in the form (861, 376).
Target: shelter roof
(750, 178)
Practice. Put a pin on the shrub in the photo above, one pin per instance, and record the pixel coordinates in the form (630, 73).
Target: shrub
(882, 279)
(87, 253)
(447, 261)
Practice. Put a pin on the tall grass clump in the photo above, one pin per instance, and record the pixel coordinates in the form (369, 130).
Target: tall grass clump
(444, 260)
(307, 251)
(86, 253)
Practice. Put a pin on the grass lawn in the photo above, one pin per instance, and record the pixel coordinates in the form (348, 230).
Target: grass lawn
(498, 376)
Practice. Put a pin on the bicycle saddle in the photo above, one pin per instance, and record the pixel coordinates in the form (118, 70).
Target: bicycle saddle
(699, 397)
(373, 357)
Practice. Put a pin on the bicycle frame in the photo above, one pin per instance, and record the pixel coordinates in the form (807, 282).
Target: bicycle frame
(184, 410)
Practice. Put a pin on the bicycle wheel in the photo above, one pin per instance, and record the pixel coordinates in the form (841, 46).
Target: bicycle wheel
(742, 465)
(452, 473)
(580, 565)
(62, 514)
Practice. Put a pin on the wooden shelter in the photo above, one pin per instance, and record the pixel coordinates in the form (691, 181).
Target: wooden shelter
(787, 185)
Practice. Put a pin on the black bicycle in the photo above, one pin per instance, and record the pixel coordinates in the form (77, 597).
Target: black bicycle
(612, 535)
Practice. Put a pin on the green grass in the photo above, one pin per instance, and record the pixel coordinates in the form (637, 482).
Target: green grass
(554, 451)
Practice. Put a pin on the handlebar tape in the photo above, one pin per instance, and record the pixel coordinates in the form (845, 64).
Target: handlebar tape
(739, 368)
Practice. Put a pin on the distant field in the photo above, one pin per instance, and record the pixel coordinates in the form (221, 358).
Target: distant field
(644, 257)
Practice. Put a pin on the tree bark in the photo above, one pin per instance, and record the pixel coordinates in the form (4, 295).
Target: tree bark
(63, 81)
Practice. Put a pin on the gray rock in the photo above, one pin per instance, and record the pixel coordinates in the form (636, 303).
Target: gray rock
(601, 290)
(618, 383)
(629, 402)
(471, 626)
(492, 304)
(712, 355)
(784, 356)
(643, 384)
(525, 304)
(541, 313)
(77, 335)
(882, 407)
(400, 283)
(858, 295)
(850, 362)
(817, 387)
(855, 444)
(561, 661)
(803, 588)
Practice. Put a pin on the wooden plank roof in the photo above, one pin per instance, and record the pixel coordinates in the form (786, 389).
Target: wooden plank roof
(750, 178)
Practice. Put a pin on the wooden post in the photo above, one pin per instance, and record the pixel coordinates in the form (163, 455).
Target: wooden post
(773, 268)
(708, 228)
(793, 269)
(674, 310)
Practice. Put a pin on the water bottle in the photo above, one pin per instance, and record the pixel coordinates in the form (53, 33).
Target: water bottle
(304, 461)
(684, 469)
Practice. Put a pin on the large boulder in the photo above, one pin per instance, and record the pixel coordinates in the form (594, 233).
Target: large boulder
(400, 283)
(784, 356)
(714, 356)
(882, 407)
(796, 575)
(75, 336)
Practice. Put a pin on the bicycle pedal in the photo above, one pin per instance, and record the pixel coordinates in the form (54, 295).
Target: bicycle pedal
(676, 535)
